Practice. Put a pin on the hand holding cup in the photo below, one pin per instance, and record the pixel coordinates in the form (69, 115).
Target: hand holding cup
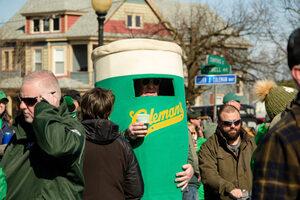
(139, 129)
(143, 118)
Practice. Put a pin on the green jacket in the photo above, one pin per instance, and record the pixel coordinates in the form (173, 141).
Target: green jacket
(221, 171)
(3, 185)
(44, 159)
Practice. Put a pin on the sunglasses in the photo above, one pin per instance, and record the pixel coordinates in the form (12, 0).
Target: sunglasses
(155, 81)
(29, 101)
(229, 123)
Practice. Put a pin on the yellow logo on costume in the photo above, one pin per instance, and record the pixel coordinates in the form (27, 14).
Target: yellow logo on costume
(162, 119)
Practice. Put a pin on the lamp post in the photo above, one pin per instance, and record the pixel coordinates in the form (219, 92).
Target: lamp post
(101, 7)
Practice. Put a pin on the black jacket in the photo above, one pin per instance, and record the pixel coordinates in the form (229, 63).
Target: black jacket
(111, 170)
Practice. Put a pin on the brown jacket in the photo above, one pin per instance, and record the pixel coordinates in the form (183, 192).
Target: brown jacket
(221, 171)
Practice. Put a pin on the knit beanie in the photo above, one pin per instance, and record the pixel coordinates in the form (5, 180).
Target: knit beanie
(276, 98)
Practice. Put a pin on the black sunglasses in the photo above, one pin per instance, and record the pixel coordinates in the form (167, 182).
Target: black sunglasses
(29, 101)
(229, 123)
(155, 81)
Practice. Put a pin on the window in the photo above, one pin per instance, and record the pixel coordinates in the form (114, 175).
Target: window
(46, 25)
(56, 24)
(134, 21)
(80, 58)
(6, 58)
(36, 25)
(59, 61)
(13, 55)
(137, 21)
(38, 59)
(129, 20)
(8, 62)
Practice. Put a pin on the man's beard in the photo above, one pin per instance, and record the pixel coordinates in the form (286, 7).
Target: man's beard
(231, 136)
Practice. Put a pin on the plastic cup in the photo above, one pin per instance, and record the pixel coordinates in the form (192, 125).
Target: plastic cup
(6, 137)
(143, 118)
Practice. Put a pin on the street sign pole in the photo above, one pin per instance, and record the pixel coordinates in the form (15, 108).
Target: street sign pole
(215, 103)
(215, 71)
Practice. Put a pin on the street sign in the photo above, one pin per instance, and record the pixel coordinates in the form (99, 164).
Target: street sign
(215, 60)
(218, 69)
(215, 79)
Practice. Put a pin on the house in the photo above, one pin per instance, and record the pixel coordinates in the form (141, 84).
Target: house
(60, 35)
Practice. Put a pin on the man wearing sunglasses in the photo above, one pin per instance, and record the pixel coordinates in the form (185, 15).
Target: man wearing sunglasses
(148, 87)
(44, 157)
(136, 131)
(224, 159)
(276, 172)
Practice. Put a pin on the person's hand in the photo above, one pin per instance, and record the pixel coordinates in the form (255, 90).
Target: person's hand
(195, 146)
(236, 193)
(137, 130)
(184, 176)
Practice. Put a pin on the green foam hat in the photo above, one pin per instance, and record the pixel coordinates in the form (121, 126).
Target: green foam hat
(231, 97)
(3, 97)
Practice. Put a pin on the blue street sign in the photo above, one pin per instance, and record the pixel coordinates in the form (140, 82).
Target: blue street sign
(215, 79)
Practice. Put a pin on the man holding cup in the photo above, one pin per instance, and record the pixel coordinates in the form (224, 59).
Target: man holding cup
(138, 130)
(147, 77)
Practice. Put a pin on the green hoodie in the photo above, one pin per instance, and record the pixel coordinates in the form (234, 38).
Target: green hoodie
(3, 185)
(44, 159)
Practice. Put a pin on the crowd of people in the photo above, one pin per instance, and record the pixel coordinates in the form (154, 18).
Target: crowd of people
(57, 152)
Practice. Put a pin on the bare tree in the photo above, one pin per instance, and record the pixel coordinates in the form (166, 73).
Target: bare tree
(281, 18)
(249, 35)
(201, 31)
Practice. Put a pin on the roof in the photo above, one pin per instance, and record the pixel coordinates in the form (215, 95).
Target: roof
(87, 24)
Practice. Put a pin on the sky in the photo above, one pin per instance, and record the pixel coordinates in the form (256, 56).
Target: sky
(8, 8)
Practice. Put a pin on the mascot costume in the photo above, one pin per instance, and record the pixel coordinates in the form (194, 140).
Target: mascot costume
(118, 66)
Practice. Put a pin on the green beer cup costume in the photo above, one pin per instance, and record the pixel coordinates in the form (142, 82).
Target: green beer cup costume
(164, 149)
